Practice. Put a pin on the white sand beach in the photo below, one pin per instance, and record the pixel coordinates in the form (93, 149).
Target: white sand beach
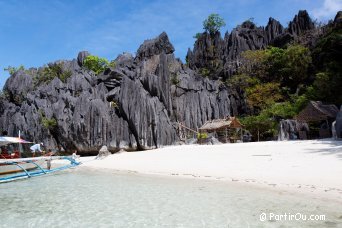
(312, 166)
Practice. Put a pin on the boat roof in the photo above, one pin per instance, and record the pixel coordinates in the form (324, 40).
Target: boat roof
(4, 140)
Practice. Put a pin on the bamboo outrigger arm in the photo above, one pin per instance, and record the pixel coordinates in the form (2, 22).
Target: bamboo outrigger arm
(38, 171)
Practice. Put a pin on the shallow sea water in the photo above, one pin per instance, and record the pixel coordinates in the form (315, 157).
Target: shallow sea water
(93, 198)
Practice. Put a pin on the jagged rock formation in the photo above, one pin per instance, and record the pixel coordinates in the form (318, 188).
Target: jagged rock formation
(301, 23)
(81, 56)
(338, 18)
(289, 129)
(220, 58)
(134, 105)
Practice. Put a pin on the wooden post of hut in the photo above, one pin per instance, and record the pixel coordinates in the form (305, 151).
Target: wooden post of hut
(183, 131)
(241, 134)
(226, 131)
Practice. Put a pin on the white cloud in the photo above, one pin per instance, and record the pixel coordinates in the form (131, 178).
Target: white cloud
(328, 9)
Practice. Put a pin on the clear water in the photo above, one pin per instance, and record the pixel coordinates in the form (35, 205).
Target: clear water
(89, 198)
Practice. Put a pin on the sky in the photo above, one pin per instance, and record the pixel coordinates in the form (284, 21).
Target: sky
(36, 32)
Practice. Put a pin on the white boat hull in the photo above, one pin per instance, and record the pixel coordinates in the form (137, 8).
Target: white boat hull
(8, 169)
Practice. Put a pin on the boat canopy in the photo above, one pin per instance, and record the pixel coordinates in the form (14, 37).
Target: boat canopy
(4, 140)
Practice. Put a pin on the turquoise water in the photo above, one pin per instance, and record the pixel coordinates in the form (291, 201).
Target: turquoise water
(90, 198)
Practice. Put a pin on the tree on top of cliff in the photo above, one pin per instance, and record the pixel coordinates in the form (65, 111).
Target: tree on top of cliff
(95, 63)
(213, 23)
(11, 70)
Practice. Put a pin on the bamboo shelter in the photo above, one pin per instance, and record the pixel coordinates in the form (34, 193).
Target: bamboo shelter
(225, 130)
(319, 116)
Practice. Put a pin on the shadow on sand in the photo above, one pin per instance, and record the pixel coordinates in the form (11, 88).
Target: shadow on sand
(331, 147)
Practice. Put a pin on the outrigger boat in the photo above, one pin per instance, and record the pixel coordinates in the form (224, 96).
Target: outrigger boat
(15, 165)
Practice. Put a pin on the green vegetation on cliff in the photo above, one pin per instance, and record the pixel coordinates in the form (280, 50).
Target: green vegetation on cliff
(97, 64)
(327, 57)
(48, 123)
(278, 82)
(213, 23)
(11, 70)
(48, 73)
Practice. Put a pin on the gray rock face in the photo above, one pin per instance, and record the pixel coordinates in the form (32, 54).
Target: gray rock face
(273, 29)
(132, 106)
(300, 23)
(156, 46)
(124, 59)
(18, 86)
(289, 129)
(338, 18)
(207, 53)
(222, 56)
(81, 56)
(338, 125)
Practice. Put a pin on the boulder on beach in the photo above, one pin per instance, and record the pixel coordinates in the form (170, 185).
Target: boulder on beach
(103, 152)
(292, 129)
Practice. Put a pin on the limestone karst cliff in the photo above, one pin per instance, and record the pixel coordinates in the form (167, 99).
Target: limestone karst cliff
(220, 57)
(137, 103)
(134, 105)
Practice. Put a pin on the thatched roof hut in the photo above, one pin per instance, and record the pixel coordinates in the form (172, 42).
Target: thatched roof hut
(225, 130)
(219, 124)
(316, 111)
